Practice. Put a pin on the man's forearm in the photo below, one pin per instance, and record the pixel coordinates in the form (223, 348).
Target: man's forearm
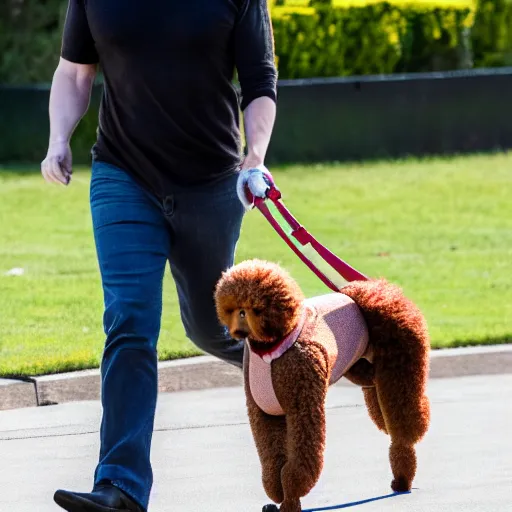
(69, 99)
(259, 117)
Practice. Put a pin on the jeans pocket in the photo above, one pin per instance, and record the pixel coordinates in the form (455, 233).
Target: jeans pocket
(116, 198)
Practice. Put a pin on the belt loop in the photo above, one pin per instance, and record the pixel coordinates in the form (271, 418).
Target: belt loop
(169, 205)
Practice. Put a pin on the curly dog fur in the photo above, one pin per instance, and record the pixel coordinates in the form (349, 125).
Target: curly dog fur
(260, 302)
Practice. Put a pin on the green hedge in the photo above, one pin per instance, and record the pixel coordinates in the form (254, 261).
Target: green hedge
(312, 37)
(492, 34)
(30, 38)
(345, 37)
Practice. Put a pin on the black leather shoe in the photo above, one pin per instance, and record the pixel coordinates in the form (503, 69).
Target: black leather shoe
(103, 498)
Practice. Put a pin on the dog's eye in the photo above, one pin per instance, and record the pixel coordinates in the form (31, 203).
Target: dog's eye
(242, 314)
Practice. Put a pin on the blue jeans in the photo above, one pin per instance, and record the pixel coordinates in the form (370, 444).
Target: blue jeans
(196, 230)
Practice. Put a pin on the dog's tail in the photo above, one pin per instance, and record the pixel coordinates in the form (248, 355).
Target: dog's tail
(399, 337)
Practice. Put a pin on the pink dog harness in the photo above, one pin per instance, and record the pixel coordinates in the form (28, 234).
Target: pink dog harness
(334, 321)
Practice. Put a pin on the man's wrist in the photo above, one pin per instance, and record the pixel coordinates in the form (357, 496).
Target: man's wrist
(58, 140)
(252, 160)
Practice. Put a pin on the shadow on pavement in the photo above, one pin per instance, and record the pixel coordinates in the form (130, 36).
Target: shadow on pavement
(356, 503)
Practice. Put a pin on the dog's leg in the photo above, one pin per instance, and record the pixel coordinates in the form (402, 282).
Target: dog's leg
(399, 337)
(362, 374)
(406, 412)
(300, 379)
(372, 404)
(269, 434)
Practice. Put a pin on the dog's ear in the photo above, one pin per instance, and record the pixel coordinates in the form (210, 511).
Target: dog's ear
(222, 296)
(222, 285)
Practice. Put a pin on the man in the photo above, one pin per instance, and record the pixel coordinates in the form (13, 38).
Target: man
(163, 188)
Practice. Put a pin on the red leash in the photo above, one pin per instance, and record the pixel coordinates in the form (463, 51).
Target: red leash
(303, 237)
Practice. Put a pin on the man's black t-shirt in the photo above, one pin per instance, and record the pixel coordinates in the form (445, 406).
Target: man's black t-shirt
(169, 113)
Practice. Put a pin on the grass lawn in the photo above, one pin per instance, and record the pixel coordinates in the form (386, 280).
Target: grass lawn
(441, 228)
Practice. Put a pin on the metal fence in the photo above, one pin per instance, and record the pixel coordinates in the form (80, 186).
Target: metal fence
(318, 120)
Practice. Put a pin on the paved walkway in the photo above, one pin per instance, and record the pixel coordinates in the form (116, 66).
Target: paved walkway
(204, 458)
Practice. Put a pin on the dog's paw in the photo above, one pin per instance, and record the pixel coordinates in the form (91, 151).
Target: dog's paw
(270, 508)
(400, 484)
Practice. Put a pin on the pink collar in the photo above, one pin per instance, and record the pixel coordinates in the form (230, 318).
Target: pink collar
(280, 348)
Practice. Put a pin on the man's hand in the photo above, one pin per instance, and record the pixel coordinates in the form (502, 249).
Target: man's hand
(253, 182)
(57, 166)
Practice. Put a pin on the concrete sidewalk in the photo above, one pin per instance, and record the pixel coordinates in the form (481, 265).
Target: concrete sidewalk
(206, 372)
(204, 457)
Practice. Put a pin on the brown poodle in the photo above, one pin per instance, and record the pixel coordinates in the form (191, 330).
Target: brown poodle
(296, 347)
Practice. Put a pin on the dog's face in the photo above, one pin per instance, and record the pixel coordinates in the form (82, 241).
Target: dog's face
(258, 300)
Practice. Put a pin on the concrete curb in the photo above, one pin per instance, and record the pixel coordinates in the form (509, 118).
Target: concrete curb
(15, 394)
(204, 372)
